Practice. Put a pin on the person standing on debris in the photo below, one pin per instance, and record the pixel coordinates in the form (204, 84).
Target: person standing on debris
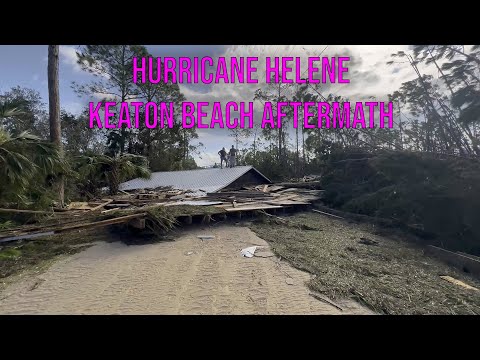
(233, 154)
(223, 157)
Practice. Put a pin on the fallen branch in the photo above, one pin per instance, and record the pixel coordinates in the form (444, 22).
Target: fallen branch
(326, 300)
(325, 213)
(273, 216)
(458, 282)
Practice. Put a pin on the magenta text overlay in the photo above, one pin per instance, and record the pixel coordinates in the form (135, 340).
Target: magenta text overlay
(240, 70)
(204, 115)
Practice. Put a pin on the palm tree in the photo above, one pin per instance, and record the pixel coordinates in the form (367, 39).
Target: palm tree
(8, 109)
(113, 170)
(23, 157)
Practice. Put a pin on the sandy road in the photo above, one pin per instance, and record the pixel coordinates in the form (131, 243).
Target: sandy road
(187, 276)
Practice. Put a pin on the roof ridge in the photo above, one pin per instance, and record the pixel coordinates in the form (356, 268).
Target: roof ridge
(211, 168)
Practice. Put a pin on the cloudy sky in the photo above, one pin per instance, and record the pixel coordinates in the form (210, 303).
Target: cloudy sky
(368, 73)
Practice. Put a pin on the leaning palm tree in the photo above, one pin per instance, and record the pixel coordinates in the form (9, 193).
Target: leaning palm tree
(23, 157)
(113, 170)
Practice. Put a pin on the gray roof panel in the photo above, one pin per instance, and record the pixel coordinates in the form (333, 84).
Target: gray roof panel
(207, 180)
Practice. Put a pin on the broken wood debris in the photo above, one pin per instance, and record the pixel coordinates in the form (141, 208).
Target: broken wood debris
(102, 205)
(24, 211)
(53, 230)
(458, 282)
(325, 213)
(134, 208)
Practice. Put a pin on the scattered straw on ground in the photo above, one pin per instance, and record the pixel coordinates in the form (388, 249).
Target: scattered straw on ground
(391, 277)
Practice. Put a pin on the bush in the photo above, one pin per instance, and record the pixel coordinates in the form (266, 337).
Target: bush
(439, 195)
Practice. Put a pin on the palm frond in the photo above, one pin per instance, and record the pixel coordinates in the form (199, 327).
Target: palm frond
(8, 109)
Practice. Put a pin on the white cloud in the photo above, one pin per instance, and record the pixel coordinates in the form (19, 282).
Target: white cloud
(207, 159)
(74, 107)
(369, 75)
(68, 55)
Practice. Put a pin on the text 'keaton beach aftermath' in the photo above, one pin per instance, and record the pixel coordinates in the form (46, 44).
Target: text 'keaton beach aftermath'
(204, 115)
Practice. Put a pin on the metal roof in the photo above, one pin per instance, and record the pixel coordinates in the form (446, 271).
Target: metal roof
(206, 180)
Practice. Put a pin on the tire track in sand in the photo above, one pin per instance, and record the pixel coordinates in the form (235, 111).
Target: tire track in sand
(188, 276)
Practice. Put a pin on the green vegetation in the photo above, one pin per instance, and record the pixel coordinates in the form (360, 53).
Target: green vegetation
(439, 195)
(10, 254)
(27, 167)
(33, 169)
(111, 170)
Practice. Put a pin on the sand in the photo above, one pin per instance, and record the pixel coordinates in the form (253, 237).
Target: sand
(185, 276)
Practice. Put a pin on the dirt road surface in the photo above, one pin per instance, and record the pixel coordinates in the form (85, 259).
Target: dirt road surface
(186, 276)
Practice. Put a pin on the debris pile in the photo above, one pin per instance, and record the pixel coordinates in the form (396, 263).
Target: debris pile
(154, 210)
(265, 197)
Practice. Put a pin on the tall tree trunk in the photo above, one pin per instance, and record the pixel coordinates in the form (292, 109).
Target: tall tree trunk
(303, 151)
(400, 123)
(255, 147)
(54, 110)
(297, 156)
(114, 177)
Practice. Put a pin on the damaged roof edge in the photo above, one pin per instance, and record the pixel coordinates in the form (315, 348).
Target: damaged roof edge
(246, 171)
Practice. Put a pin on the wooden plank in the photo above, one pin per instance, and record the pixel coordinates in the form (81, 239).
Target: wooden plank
(238, 194)
(195, 202)
(287, 197)
(62, 229)
(287, 190)
(102, 205)
(248, 208)
(109, 210)
(117, 220)
(287, 202)
(325, 213)
(275, 188)
(15, 211)
(458, 282)
(79, 205)
(110, 205)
